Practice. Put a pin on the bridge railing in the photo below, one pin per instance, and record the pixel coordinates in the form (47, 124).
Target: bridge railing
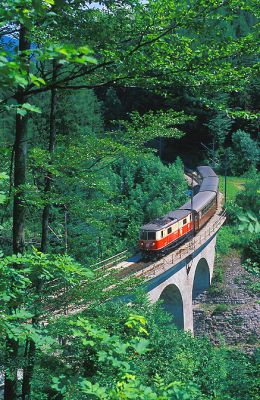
(111, 261)
(163, 264)
(186, 250)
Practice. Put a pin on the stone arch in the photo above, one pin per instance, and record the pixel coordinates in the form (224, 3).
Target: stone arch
(201, 281)
(173, 304)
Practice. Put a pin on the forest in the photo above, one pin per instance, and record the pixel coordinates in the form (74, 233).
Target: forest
(104, 105)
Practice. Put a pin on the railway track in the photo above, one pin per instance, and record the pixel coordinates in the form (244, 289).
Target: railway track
(149, 270)
(133, 269)
(145, 270)
(121, 268)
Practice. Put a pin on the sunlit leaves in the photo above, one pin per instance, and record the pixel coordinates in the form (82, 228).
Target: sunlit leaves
(10, 72)
(15, 65)
(80, 55)
(119, 356)
(249, 221)
(190, 44)
(141, 129)
(26, 107)
(61, 269)
(37, 81)
(137, 323)
(3, 177)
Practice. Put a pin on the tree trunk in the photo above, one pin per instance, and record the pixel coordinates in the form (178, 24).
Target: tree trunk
(48, 179)
(20, 155)
(28, 370)
(10, 385)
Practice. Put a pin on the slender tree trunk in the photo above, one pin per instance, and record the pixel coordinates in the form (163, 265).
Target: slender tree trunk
(10, 387)
(20, 155)
(28, 370)
(48, 179)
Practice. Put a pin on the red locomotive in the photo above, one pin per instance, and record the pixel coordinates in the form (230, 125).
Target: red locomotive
(169, 231)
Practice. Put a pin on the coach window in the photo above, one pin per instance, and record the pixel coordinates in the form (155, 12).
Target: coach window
(184, 221)
(151, 235)
(162, 234)
(169, 230)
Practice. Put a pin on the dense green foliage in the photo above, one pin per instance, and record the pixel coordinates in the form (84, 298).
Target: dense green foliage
(248, 153)
(111, 350)
(77, 185)
(241, 233)
(105, 183)
(243, 229)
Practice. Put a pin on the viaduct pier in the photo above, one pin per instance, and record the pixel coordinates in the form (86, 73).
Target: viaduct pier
(179, 277)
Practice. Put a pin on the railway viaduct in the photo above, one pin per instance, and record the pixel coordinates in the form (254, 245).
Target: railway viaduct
(181, 276)
(178, 278)
(180, 283)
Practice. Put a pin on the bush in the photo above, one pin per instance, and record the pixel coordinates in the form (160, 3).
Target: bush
(233, 210)
(252, 267)
(176, 356)
(252, 248)
(220, 309)
(228, 238)
(249, 198)
(246, 152)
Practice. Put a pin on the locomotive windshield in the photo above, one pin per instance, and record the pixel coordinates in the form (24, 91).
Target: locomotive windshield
(151, 235)
(144, 235)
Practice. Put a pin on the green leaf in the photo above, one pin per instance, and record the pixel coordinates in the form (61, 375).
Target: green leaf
(30, 107)
(257, 227)
(37, 81)
(251, 215)
(251, 228)
(2, 198)
(21, 111)
(141, 346)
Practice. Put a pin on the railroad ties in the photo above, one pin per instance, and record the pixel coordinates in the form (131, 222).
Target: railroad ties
(149, 270)
(123, 268)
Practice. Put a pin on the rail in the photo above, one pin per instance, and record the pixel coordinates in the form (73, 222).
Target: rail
(119, 264)
(186, 250)
(112, 261)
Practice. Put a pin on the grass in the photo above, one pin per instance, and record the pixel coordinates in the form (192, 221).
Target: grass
(228, 238)
(234, 185)
(220, 309)
(216, 287)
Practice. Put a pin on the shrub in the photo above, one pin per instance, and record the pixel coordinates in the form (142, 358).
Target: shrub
(227, 239)
(232, 211)
(249, 198)
(220, 309)
(252, 249)
(248, 151)
(252, 267)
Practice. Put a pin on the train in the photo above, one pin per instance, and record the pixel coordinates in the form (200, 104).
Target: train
(168, 232)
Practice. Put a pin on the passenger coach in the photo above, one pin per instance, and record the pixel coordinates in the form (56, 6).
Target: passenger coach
(169, 231)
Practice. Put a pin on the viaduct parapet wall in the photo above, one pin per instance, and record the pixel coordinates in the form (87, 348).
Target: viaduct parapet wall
(178, 278)
(181, 283)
